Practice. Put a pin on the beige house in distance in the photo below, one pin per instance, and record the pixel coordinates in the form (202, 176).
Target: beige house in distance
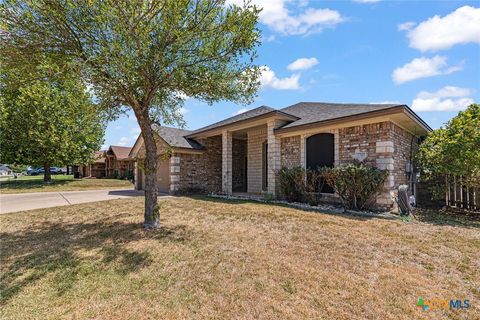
(242, 154)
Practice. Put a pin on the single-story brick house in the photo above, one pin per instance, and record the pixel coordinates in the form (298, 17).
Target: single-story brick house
(95, 169)
(118, 163)
(244, 152)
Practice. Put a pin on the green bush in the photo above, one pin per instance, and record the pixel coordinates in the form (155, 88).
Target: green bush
(292, 183)
(314, 185)
(356, 184)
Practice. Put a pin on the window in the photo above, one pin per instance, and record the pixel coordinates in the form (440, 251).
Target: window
(321, 153)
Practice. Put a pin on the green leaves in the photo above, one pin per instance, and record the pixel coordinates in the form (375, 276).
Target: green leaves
(47, 118)
(141, 52)
(454, 149)
(356, 184)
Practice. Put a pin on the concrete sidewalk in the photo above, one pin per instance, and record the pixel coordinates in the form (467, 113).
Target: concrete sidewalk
(38, 200)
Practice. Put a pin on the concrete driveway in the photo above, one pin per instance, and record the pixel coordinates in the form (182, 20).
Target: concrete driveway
(38, 200)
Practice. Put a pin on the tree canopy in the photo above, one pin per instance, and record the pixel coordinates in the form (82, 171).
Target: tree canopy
(454, 149)
(145, 54)
(47, 119)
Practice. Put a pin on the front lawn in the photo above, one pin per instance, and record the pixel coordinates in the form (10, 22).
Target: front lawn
(230, 259)
(60, 183)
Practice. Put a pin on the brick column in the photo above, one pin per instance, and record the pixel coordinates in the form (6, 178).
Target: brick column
(174, 173)
(273, 157)
(227, 162)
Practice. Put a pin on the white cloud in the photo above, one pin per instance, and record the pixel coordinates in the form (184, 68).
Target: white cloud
(459, 27)
(268, 79)
(278, 17)
(243, 110)
(182, 95)
(302, 64)
(135, 130)
(423, 68)
(183, 110)
(448, 98)
(270, 38)
(123, 141)
(406, 26)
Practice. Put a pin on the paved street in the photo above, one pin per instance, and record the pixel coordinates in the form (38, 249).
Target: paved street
(29, 201)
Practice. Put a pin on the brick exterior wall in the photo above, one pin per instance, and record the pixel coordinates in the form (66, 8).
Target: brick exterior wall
(404, 147)
(239, 152)
(384, 145)
(362, 139)
(255, 164)
(202, 170)
(290, 152)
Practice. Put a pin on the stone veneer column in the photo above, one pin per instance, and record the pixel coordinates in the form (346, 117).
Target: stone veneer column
(336, 139)
(273, 157)
(227, 162)
(174, 173)
(384, 151)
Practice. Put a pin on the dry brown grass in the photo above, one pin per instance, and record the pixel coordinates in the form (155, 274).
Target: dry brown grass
(216, 259)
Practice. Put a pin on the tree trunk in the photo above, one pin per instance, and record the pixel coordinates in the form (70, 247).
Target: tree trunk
(46, 175)
(152, 209)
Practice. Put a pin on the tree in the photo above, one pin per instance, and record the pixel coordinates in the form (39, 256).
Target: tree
(454, 149)
(145, 54)
(47, 119)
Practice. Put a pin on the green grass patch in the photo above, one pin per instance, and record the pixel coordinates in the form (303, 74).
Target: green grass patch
(59, 183)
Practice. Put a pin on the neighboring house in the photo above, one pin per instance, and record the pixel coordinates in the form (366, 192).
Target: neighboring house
(95, 169)
(5, 170)
(244, 152)
(118, 163)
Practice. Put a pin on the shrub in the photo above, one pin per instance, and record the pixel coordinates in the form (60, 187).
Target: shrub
(292, 183)
(356, 184)
(314, 185)
(267, 196)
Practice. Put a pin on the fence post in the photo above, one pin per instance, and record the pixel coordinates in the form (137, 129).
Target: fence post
(447, 189)
(461, 192)
(455, 191)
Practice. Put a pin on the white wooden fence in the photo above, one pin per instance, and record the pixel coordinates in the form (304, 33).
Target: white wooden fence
(460, 195)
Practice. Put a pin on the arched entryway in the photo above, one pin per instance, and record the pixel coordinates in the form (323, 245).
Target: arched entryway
(321, 153)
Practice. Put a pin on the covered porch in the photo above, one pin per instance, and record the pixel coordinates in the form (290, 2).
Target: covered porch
(250, 159)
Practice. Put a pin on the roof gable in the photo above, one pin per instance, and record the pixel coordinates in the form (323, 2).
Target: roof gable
(239, 117)
(175, 137)
(120, 152)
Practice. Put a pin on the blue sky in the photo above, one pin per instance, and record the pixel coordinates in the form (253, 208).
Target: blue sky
(424, 54)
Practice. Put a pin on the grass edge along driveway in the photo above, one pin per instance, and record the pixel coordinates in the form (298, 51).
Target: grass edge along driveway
(60, 183)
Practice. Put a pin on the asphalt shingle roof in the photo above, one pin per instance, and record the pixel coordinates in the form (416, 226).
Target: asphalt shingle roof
(176, 137)
(121, 152)
(306, 112)
(311, 112)
(99, 156)
(239, 117)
